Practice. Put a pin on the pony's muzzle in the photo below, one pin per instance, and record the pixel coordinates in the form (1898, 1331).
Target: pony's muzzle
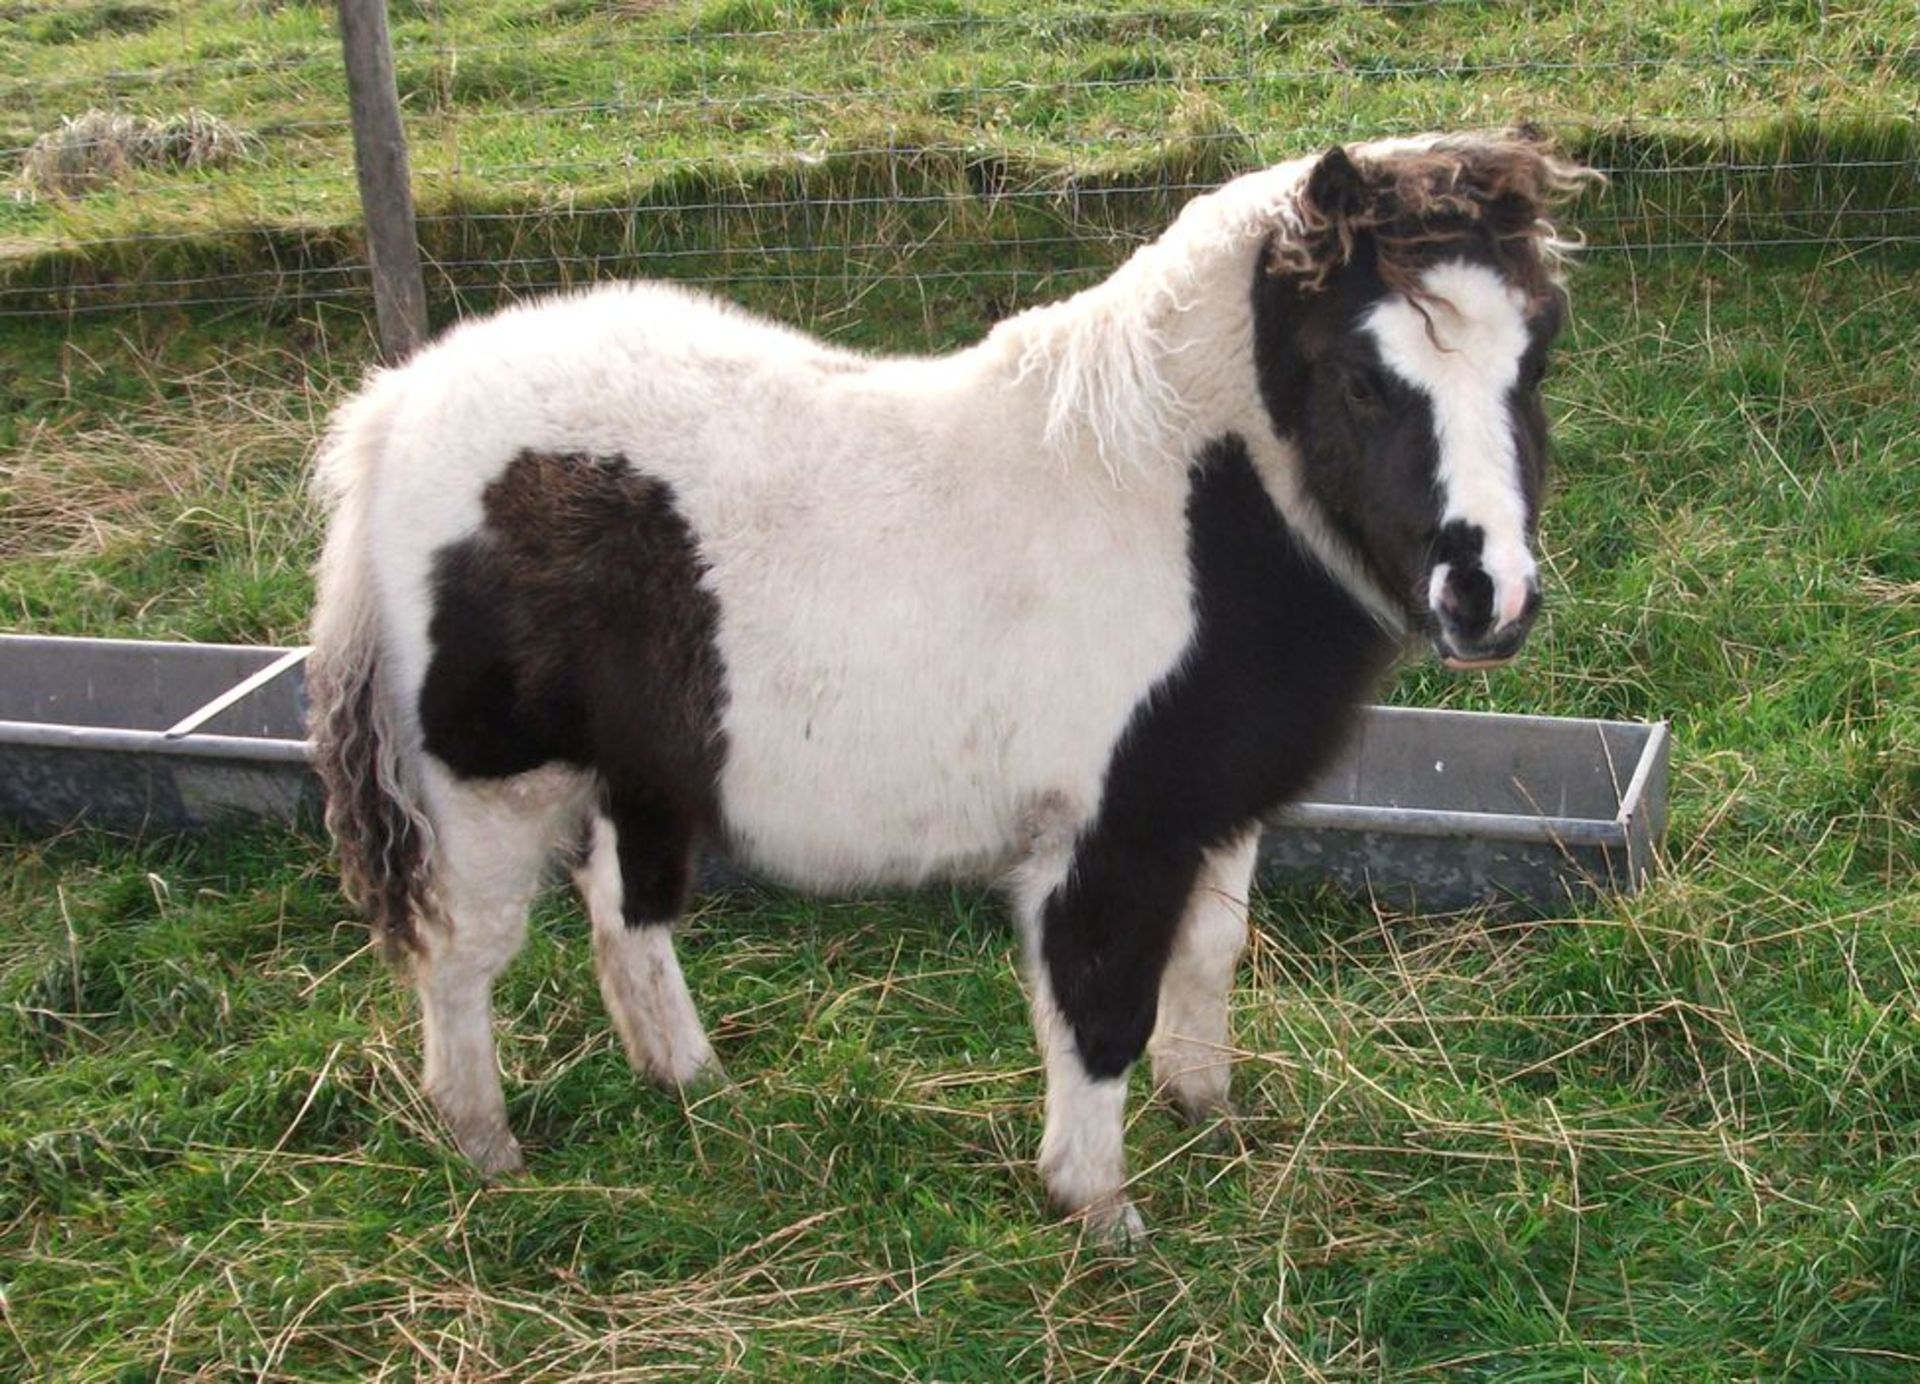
(1478, 623)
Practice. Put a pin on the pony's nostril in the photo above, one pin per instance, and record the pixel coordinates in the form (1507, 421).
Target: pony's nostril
(1518, 606)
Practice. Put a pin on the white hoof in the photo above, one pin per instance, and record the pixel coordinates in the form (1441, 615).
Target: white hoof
(493, 1153)
(687, 1073)
(1114, 1224)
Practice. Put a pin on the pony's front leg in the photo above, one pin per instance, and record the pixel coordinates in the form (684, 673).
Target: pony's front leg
(1192, 1054)
(1083, 1158)
(1098, 927)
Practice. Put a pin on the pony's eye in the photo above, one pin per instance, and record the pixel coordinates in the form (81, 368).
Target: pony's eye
(1364, 390)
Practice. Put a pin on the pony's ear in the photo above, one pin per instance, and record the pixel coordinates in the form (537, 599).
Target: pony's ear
(1336, 188)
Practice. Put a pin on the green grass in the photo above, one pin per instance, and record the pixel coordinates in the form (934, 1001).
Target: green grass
(538, 110)
(1674, 1136)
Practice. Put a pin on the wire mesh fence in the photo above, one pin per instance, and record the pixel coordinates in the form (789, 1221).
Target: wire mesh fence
(201, 153)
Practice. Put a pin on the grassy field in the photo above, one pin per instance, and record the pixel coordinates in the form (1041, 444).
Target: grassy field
(534, 99)
(558, 139)
(1669, 1137)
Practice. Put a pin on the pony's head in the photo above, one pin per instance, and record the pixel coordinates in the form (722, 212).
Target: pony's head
(1402, 329)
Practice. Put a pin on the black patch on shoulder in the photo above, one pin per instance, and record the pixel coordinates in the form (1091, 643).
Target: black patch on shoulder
(1282, 660)
(573, 628)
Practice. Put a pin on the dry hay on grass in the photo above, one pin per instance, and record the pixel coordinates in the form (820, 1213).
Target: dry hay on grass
(75, 492)
(104, 148)
(89, 494)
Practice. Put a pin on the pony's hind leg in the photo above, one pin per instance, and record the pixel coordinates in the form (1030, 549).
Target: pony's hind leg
(634, 884)
(491, 844)
(1192, 1057)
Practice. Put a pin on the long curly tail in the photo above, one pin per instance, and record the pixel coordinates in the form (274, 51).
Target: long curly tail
(373, 809)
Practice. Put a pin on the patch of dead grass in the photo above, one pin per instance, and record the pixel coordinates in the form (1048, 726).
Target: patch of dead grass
(101, 149)
(72, 492)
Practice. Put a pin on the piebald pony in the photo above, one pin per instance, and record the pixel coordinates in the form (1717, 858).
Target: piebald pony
(617, 575)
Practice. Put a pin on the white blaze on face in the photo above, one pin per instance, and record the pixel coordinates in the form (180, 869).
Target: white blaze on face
(1466, 375)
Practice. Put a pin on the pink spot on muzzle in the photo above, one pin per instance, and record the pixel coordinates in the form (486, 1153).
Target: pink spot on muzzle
(1515, 598)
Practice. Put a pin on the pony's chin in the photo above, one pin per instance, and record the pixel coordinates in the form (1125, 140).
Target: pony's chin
(1474, 665)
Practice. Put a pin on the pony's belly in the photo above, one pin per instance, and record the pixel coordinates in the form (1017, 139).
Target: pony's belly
(826, 812)
(805, 848)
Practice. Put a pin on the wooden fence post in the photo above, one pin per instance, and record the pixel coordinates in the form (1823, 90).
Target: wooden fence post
(386, 192)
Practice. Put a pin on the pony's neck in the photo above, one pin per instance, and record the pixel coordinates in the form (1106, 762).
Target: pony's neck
(1136, 372)
(1137, 375)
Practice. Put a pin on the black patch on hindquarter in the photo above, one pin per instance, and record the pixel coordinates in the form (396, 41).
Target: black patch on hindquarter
(1281, 661)
(572, 627)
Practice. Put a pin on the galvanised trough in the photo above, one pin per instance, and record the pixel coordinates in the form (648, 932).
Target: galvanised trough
(1427, 810)
(133, 736)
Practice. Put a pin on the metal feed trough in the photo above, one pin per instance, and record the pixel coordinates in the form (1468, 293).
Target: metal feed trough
(131, 735)
(1430, 809)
